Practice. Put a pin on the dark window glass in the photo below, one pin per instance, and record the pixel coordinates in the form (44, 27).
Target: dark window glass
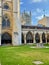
(6, 6)
(8, 23)
(5, 22)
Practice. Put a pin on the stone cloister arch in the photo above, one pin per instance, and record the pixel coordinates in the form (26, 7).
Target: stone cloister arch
(43, 37)
(48, 38)
(6, 38)
(37, 38)
(22, 38)
(29, 37)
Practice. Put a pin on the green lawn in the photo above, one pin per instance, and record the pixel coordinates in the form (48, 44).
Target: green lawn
(23, 55)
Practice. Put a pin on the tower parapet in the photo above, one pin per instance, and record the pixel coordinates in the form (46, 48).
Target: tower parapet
(26, 18)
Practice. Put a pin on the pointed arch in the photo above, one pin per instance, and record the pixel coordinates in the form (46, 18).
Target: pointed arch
(22, 38)
(29, 37)
(37, 38)
(5, 21)
(6, 38)
(43, 38)
(48, 38)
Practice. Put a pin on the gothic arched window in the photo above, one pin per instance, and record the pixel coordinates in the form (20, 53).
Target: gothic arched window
(5, 22)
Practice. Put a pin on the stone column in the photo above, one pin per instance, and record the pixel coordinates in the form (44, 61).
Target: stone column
(0, 29)
(24, 38)
(16, 23)
(40, 44)
(34, 39)
(40, 38)
(0, 20)
(46, 37)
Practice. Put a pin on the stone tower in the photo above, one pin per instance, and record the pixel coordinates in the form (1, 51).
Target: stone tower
(0, 19)
(26, 18)
(10, 25)
(17, 23)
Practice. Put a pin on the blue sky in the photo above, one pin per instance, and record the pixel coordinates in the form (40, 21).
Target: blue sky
(36, 7)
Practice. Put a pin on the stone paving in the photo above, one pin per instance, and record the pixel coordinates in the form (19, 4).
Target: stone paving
(38, 62)
(39, 47)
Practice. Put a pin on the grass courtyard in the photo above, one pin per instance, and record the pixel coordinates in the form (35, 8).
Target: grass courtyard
(23, 55)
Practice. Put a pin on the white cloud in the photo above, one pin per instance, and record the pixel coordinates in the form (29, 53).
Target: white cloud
(39, 17)
(38, 10)
(21, 3)
(39, 1)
